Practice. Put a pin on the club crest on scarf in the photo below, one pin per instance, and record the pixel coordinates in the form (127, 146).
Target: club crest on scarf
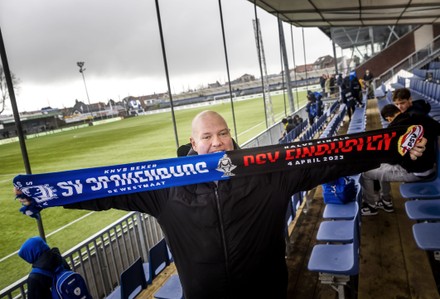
(408, 140)
(41, 193)
(225, 165)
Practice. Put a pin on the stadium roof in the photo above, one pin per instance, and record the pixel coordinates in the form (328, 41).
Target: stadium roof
(349, 13)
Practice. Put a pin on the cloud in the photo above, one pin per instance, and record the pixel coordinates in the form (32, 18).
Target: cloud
(119, 42)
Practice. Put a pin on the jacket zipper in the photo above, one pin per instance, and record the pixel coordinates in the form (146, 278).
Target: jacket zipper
(222, 232)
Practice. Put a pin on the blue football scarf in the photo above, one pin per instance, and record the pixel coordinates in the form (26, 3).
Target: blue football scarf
(66, 187)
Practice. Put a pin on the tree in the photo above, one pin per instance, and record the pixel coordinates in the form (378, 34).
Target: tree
(4, 94)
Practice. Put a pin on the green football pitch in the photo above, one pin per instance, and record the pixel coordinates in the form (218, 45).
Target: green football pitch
(134, 139)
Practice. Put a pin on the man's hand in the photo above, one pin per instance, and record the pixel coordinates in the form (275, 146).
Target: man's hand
(23, 199)
(29, 206)
(418, 149)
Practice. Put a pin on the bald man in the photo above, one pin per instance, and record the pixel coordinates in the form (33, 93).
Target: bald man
(226, 237)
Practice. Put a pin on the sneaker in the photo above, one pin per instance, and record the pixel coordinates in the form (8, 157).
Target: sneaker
(387, 206)
(368, 210)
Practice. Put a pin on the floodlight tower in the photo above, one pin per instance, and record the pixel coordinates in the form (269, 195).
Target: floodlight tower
(80, 64)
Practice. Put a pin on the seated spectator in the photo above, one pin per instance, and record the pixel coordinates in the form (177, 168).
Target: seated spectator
(409, 171)
(290, 125)
(285, 122)
(403, 100)
(297, 120)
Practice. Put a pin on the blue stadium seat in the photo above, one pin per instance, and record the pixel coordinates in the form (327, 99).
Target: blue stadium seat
(423, 210)
(342, 231)
(424, 189)
(345, 211)
(427, 235)
(172, 289)
(336, 263)
(132, 282)
(338, 259)
(158, 260)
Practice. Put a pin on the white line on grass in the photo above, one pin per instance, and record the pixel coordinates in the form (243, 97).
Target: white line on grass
(52, 233)
(259, 124)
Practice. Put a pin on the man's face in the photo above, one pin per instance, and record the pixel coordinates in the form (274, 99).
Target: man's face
(211, 134)
(403, 104)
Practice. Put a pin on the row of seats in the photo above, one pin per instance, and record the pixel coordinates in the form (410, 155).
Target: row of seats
(315, 127)
(334, 123)
(428, 91)
(358, 120)
(424, 207)
(297, 198)
(336, 256)
(298, 130)
(139, 275)
(423, 74)
(434, 65)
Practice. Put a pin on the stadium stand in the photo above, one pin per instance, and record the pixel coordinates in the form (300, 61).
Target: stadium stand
(339, 260)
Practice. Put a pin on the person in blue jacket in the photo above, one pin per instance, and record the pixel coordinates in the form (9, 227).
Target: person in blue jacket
(35, 251)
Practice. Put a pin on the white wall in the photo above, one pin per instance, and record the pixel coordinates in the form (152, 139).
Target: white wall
(423, 36)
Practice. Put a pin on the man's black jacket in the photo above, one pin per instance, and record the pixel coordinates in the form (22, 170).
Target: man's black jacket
(227, 238)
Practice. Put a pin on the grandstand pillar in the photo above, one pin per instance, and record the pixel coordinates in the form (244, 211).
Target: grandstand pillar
(286, 65)
(164, 56)
(371, 33)
(334, 51)
(18, 126)
(227, 69)
(304, 51)
(294, 66)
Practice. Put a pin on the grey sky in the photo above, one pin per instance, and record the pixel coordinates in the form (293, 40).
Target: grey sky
(119, 43)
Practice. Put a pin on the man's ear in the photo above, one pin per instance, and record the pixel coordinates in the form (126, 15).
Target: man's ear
(193, 143)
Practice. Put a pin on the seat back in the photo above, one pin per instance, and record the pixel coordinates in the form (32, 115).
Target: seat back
(158, 258)
(133, 280)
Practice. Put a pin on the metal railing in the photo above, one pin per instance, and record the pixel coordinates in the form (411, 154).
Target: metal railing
(101, 258)
(413, 61)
